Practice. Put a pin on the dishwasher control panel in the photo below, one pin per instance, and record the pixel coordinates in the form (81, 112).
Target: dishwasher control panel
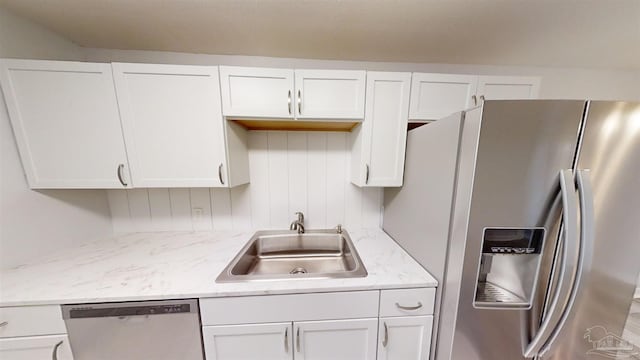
(128, 309)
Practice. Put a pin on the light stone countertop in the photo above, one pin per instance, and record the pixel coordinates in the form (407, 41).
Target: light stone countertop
(174, 265)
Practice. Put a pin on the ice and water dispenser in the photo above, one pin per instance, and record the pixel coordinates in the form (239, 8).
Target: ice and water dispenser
(509, 265)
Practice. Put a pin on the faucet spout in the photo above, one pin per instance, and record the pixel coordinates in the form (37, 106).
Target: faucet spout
(298, 224)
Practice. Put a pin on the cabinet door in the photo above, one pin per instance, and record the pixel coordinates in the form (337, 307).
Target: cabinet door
(36, 347)
(66, 123)
(173, 124)
(508, 87)
(405, 338)
(330, 94)
(256, 92)
(336, 339)
(434, 96)
(384, 130)
(248, 342)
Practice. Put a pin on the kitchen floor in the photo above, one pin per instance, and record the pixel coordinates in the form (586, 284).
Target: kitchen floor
(632, 330)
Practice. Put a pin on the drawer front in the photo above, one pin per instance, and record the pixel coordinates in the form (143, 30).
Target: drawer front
(295, 307)
(36, 347)
(31, 320)
(405, 302)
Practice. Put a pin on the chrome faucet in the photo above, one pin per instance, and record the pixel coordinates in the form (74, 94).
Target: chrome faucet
(298, 224)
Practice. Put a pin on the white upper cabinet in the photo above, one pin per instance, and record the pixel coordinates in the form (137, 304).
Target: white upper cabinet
(249, 93)
(173, 125)
(508, 87)
(378, 144)
(329, 94)
(434, 96)
(257, 92)
(66, 123)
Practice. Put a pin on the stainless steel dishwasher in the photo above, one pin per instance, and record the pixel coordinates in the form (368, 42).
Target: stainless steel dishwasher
(159, 330)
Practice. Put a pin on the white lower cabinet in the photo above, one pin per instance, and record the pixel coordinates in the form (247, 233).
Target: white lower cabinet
(404, 338)
(253, 341)
(320, 326)
(350, 339)
(353, 339)
(54, 347)
(33, 332)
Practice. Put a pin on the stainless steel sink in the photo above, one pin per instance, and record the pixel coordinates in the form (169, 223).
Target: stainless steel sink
(288, 255)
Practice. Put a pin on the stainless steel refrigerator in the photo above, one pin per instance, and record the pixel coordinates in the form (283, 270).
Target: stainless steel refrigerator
(528, 214)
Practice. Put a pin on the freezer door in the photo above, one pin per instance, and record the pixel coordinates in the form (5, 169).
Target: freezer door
(604, 321)
(514, 184)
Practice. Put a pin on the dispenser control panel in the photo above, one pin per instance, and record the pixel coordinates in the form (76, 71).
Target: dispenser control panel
(512, 241)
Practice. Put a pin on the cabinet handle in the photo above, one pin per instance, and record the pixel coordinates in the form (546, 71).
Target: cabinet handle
(298, 339)
(4, 323)
(220, 174)
(54, 355)
(482, 98)
(299, 103)
(286, 340)
(366, 176)
(475, 100)
(411, 308)
(120, 177)
(289, 102)
(385, 341)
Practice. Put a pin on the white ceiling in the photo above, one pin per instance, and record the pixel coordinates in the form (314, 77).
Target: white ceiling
(563, 33)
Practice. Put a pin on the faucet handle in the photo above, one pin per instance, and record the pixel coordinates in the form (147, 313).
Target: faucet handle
(300, 216)
(339, 228)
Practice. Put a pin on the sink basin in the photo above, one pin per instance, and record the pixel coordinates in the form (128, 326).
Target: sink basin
(288, 255)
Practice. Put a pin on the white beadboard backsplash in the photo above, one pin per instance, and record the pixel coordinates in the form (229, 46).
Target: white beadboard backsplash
(290, 171)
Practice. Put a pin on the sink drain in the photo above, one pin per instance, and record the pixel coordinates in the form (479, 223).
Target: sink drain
(298, 270)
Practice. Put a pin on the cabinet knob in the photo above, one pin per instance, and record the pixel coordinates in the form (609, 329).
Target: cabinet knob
(366, 176)
(299, 103)
(54, 355)
(410, 308)
(220, 174)
(286, 340)
(120, 176)
(385, 341)
(475, 100)
(289, 102)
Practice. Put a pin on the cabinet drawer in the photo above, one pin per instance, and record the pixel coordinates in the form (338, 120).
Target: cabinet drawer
(36, 347)
(403, 302)
(31, 320)
(295, 307)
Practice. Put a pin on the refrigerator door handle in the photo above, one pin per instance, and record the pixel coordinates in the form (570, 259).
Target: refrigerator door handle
(587, 238)
(567, 268)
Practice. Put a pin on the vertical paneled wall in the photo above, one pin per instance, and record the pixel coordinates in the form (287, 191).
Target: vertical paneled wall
(290, 171)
